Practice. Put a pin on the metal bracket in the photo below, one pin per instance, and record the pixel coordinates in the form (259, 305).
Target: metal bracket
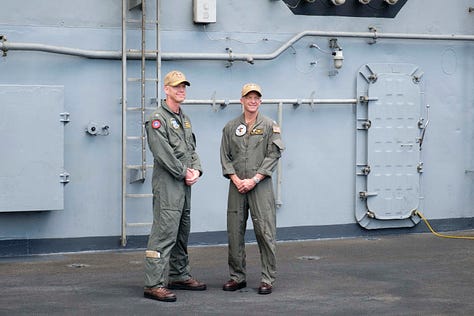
(311, 103)
(364, 171)
(366, 99)
(421, 123)
(368, 74)
(363, 124)
(372, 78)
(333, 43)
(225, 104)
(297, 103)
(154, 101)
(365, 194)
(373, 29)
(95, 130)
(419, 167)
(366, 125)
(64, 177)
(370, 214)
(3, 39)
(213, 105)
(416, 75)
(231, 59)
(64, 117)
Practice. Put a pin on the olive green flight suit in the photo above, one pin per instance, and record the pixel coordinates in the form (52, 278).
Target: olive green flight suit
(246, 152)
(173, 145)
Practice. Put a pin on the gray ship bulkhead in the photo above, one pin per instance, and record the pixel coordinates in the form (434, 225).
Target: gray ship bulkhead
(375, 103)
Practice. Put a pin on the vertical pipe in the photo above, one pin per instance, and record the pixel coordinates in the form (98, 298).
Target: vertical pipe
(279, 167)
(124, 116)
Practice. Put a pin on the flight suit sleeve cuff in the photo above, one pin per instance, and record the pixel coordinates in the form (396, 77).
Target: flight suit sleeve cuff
(183, 174)
(228, 170)
(265, 172)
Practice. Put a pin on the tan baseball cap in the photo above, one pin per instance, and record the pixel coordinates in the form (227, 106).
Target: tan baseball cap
(174, 78)
(249, 87)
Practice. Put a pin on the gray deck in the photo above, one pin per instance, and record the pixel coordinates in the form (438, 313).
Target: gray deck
(415, 274)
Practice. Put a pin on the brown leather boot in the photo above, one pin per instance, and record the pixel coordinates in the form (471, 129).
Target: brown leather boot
(233, 285)
(190, 284)
(265, 288)
(159, 294)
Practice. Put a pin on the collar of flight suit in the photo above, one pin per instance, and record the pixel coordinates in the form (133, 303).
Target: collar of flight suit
(167, 108)
(258, 120)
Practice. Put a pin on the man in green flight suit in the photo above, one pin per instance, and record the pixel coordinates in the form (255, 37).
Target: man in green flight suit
(176, 168)
(250, 149)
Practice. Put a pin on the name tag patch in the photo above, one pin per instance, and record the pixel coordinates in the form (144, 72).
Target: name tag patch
(256, 131)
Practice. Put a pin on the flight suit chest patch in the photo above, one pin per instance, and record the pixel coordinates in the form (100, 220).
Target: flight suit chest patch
(241, 130)
(174, 123)
(256, 131)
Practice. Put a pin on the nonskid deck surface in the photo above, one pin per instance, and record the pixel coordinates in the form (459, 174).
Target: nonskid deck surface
(415, 274)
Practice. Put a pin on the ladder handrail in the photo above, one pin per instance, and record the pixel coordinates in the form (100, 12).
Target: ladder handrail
(158, 52)
(123, 239)
(143, 81)
(142, 167)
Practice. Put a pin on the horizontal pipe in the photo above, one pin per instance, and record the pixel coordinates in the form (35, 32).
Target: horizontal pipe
(103, 54)
(276, 101)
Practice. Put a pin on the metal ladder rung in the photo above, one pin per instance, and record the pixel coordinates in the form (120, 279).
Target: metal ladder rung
(139, 51)
(140, 79)
(139, 224)
(138, 167)
(135, 138)
(139, 195)
(133, 21)
(139, 108)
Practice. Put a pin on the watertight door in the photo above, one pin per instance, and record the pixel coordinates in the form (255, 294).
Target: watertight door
(388, 145)
(392, 146)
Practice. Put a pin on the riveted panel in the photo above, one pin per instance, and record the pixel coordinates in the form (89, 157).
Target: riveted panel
(392, 151)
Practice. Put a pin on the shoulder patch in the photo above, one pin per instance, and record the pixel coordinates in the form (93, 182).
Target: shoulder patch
(276, 129)
(156, 124)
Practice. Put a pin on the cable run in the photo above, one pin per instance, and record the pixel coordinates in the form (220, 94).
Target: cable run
(438, 234)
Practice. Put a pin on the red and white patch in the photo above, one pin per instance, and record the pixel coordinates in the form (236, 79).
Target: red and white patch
(156, 124)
